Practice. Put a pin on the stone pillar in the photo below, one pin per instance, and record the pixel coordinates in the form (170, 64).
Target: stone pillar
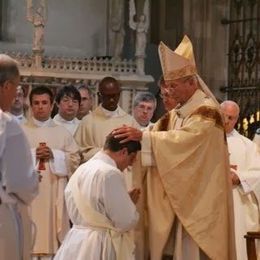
(202, 23)
(37, 54)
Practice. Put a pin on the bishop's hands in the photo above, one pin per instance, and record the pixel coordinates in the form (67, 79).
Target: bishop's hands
(127, 133)
(134, 195)
(233, 176)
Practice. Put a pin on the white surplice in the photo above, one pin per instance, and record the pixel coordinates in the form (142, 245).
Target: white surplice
(256, 139)
(102, 185)
(18, 187)
(48, 209)
(243, 153)
(71, 125)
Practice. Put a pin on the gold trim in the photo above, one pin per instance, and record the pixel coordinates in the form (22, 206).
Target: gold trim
(188, 70)
(211, 114)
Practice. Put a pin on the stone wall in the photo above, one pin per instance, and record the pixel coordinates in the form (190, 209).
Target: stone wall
(74, 28)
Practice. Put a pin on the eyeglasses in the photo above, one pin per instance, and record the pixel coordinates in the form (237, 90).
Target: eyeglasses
(166, 93)
(69, 99)
(170, 86)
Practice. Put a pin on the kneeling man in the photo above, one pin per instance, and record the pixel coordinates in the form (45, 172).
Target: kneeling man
(99, 206)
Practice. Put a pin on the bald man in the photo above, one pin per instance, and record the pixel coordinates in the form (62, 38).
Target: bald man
(245, 176)
(18, 180)
(93, 129)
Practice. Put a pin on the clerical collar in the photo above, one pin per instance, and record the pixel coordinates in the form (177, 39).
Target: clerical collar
(109, 113)
(18, 118)
(233, 132)
(61, 119)
(184, 110)
(41, 123)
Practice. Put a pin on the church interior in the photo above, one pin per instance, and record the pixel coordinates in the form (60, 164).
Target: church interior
(59, 42)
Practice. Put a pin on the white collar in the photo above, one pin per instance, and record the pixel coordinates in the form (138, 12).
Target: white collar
(41, 123)
(232, 133)
(109, 113)
(59, 118)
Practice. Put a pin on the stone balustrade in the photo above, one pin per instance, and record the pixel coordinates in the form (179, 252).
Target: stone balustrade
(56, 72)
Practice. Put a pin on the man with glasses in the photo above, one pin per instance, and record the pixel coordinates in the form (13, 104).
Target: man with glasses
(68, 101)
(188, 199)
(245, 177)
(168, 101)
(144, 106)
(18, 106)
(93, 129)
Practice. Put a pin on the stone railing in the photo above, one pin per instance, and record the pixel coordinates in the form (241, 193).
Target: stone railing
(90, 65)
(56, 72)
(96, 65)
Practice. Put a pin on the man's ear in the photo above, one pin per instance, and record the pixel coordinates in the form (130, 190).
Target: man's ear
(124, 151)
(6, 85)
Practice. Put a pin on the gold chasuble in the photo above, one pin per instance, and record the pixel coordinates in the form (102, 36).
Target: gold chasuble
(189, 184)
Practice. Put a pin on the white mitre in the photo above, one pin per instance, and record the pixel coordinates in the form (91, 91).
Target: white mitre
(181, 63)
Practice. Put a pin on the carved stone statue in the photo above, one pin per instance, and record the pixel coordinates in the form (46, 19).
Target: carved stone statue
(141, 27)
(117, 33)
(38, 19)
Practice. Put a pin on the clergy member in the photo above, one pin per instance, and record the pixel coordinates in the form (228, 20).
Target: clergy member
(256, 139)
(86, 101)
(68, 102)
(56, 157)
(189, 198)
(143, 109)
(169, 102)
(245, 176)
(100, 208)
(18, 180)
(18, 106)
(93, 129)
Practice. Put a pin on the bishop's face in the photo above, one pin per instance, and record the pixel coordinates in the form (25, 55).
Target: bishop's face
(41, 107)
(168, 101)
(180, 89)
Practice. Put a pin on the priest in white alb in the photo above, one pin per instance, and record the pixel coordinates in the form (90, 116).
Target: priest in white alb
(56, 156)
(18, 178)
(102, 211)
(245, 173)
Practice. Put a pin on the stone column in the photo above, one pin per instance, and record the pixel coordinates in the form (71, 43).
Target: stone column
(202, 23)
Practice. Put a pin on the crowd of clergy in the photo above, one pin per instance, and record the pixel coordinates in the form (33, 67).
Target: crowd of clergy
(96, 183)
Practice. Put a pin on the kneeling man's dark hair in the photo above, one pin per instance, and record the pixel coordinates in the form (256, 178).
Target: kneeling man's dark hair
(113, 144)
